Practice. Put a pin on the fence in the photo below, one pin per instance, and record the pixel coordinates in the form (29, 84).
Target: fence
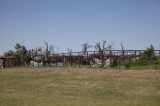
(90, 58)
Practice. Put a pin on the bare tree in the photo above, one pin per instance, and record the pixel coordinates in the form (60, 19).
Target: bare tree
(70, 55)
(51, 48)
(69, 50)
(46, 48)
(57, 49)
(98, 47)
(85, 47)
(122, 47)
(102, 48)
(39, 50)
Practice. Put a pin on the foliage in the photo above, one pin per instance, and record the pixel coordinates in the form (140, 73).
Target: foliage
(114, 63)
(127, 65)
(146, 58)
(9, 53)
(157, 61)
(21, 50)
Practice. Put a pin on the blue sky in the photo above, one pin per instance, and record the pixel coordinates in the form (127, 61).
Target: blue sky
(70, 23)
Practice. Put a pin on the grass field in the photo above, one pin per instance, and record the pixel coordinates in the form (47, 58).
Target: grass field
(79, 87)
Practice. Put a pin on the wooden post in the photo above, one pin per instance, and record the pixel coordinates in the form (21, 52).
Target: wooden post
(78, 60)
(63, 60)
(110, 55)
(87, 57)
(122, 53)
(12, 62)
(102, 57)
(56, 61)
(94, 57)
(1, 63)
(4, 63)
(70, 58)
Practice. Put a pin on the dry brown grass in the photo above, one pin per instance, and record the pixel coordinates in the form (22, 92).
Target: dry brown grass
(79, 87)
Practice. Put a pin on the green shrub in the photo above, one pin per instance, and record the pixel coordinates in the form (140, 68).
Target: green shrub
(146, 58)
(114, 63)
(127, 65)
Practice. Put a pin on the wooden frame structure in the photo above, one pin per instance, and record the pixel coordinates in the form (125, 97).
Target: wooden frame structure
(77, 58)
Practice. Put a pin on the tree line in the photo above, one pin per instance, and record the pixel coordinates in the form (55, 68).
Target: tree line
(20, 50)
(148, 57)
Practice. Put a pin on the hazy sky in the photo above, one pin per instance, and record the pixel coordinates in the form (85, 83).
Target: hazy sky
(69, 23)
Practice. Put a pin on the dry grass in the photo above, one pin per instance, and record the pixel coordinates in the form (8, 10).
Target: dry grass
(79, 87)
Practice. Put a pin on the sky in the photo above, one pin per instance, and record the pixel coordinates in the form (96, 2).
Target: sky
(70, 23)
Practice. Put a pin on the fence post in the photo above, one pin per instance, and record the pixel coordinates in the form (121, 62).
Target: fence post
(78, 60)
(87, 57)
(94, 58)
(4, 63)
(63, 60)
(70, 58)
(56, 61)
(110, 55)
(122, 53)
(102, 57)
